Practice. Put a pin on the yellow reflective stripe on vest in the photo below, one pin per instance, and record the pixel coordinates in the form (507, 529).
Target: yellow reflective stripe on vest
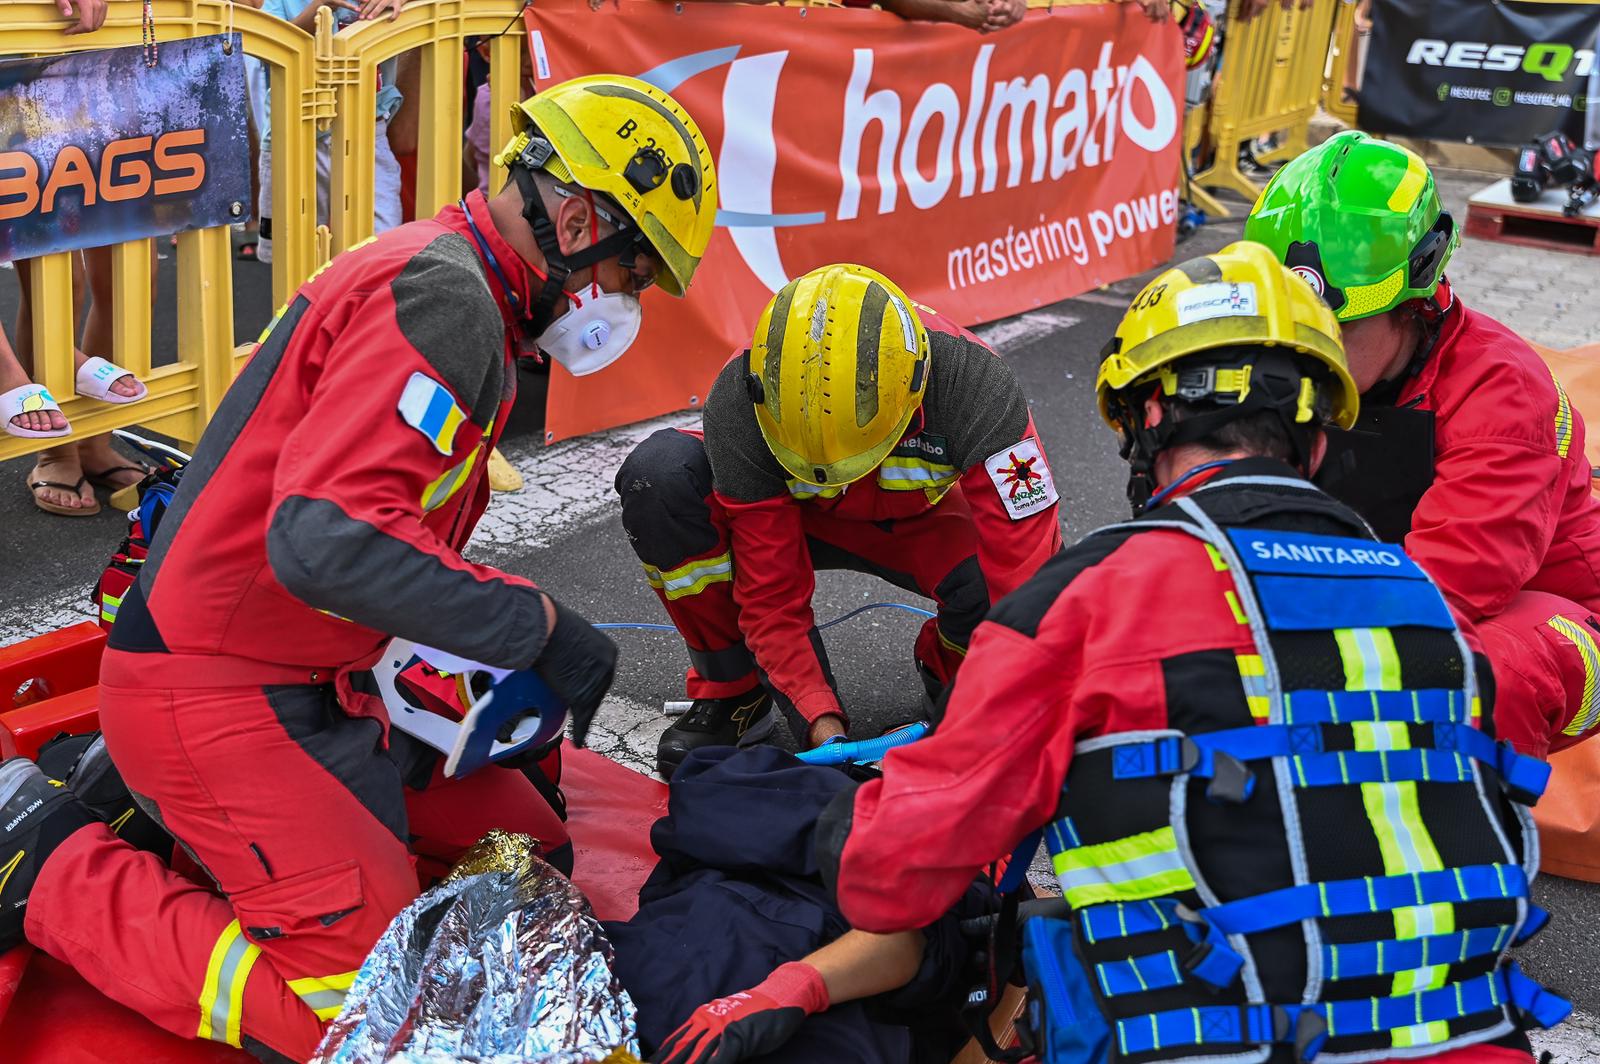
(222, 993)
(108, 607)
(912, 474)
(449, 482)
(1140, 866)
(691, 578)
(323, 995)
(800, 489)
(1370, 660)
(1253, 675)
(1563, 418)
(1579, 637)
(1407, 847)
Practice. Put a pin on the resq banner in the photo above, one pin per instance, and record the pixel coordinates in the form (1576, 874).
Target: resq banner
(1490, 73)
(99, 148)
(986, 174)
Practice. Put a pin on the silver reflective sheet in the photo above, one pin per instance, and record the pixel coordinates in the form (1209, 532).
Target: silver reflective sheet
(501, 963)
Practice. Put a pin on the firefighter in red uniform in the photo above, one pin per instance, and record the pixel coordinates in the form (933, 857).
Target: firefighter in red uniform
(860, 432)
(1468, 448)
(324, 512)
(1245, 732)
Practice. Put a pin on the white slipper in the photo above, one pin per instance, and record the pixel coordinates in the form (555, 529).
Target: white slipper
(28, 399)
(96, 376)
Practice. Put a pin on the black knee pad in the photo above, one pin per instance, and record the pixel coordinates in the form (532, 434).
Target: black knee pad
(664, 485)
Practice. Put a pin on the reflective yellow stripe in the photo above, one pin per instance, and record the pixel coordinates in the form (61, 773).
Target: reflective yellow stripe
(1238, 611)
(449, 482)
(1217, 561)
(222, 993)
(912, 474)
(1589, 713)
(108, 607)
(802, 490)
(1253, 675)
(1407, 847)
(1147, 865)
(948, 644)
(323, 995)
(691, 578)
(1362, 300)
(1563, 418)
(1405, 194)
(1370, 660)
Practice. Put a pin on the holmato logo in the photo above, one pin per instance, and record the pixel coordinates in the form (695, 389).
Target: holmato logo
(1553, 62)
(1026, 128)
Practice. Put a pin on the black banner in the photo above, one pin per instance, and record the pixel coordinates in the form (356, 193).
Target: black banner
(1471, 70)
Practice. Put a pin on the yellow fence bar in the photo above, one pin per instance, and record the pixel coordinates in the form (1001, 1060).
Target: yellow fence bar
(439, 29)
(182, 396)
(1270, 82)
(1339, 56)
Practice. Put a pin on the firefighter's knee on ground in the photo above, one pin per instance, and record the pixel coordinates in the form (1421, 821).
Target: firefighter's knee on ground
(665, 487)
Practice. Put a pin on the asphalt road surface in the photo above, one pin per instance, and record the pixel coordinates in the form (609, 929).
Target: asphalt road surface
(563, 530)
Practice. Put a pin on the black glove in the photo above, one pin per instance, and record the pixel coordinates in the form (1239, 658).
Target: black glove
(578, 662)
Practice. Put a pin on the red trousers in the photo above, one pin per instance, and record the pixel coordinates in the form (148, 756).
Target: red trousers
(300, 815)
(1546, 655)
(680, 529)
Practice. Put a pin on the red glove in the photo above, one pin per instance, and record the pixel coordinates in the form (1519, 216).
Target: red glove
(749, 1024)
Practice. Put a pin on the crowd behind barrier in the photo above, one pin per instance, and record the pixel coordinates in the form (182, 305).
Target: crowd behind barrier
(1271, 80)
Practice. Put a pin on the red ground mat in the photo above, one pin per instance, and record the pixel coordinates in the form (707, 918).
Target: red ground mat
(54, 1017)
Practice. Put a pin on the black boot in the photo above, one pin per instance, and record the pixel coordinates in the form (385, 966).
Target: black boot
(715, 722)
(83, 762)
(36, 815)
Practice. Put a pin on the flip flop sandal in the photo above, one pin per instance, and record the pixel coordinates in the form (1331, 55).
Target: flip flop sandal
(96, 376)
(102, 478)
(28, 399)
(54, 508)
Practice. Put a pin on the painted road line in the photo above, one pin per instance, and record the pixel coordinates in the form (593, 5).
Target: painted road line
(1575, 1042)
(565, 487)
(1013, 333)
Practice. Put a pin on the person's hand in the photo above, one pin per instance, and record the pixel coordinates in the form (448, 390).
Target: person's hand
(749, 1024)
(307, 19)
(578, 662)
(1003, 13)
(91, 14)
(1155, 10)
(824, 728)
(374, 8)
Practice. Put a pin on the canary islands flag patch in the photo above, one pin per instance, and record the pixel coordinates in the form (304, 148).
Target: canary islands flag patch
(427, 406)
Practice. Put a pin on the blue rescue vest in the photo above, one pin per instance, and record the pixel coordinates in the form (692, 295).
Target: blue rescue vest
(1321, 856)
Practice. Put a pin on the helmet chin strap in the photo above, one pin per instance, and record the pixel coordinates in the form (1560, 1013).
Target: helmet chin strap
(1274, 387)
(559, 266)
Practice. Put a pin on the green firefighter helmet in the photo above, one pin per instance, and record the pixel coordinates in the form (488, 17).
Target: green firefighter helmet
(1359, 220)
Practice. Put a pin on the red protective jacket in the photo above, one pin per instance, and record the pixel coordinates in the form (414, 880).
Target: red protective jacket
(1510, 506)
(973, 428)
(1081, 650)
(327, 505)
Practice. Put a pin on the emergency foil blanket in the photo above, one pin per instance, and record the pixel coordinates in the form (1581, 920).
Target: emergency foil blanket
(502, 963)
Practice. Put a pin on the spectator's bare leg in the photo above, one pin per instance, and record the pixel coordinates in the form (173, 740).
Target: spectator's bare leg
(96, 453)
(56, 464)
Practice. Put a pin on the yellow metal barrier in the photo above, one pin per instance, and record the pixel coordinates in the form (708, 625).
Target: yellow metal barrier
(1270, 82)
(1339, 56)
(438, 30)
(185, 394)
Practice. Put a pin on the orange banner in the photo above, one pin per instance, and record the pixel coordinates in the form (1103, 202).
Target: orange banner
(986, 174)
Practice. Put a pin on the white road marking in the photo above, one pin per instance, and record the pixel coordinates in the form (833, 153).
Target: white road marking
(1575, 1042)
(565, 487)
(1023, 329)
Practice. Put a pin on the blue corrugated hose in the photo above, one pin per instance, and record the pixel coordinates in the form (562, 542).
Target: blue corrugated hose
(918, 610)
(864, 752)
